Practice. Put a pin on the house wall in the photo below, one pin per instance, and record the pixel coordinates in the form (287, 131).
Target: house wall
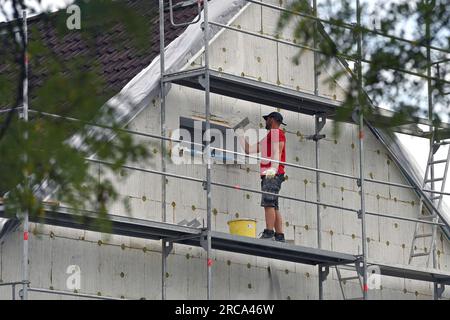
(131, 268)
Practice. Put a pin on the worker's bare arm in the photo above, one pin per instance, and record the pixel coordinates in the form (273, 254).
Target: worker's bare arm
(277, 147)
(248, 148)
(254, 148)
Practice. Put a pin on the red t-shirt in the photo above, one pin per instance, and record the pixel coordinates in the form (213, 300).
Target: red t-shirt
(273, 137)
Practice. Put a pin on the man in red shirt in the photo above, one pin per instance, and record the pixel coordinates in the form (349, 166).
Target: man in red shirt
(272, 147)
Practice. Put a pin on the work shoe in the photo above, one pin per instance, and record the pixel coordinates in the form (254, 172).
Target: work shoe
(267, 234)
(279, 237)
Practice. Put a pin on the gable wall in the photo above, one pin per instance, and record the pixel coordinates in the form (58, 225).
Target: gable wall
(120, 266)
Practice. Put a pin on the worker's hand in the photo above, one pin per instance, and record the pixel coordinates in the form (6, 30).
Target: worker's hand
(239, 133)
(270, 173)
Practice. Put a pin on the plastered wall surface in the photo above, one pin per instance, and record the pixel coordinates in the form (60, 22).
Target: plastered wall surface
(131, 268)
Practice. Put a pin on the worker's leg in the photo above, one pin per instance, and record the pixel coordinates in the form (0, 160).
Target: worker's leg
(279, 235)
(269, 201)
(270, 217)
(278, 222)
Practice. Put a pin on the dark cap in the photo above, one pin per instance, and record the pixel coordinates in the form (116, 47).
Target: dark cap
(276, 115)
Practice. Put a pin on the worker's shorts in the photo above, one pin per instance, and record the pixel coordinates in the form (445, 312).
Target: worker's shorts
(272, 186)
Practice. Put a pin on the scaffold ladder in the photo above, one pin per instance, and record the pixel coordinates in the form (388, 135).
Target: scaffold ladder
(352, 273)
(429, 182)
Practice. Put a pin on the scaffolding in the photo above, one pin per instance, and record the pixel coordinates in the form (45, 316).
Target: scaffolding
(212, 81)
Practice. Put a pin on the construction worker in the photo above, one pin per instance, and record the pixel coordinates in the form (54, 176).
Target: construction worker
(272, 147)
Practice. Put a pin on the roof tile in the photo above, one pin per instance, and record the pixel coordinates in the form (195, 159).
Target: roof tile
(118, 62)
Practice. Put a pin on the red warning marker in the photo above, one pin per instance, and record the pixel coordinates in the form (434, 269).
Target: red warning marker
(361, 135)
(25, 235)
(237, 187)
(366, 288)
(210, 262)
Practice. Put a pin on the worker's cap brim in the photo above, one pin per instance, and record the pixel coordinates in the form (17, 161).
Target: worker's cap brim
(268, 116)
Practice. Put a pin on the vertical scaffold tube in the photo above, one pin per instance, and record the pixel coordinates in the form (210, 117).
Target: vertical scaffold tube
(163, 134)
(209, 261)
(25, 118)
(365, 287)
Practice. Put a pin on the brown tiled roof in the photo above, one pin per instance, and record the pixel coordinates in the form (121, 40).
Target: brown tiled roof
(114, 53)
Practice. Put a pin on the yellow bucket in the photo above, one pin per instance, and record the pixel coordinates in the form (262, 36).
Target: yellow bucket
(243, 227)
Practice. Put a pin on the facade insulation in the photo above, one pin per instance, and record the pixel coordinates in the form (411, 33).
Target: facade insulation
(130, 268)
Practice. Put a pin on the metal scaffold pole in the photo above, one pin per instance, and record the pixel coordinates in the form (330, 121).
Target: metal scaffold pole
(316, 92)
(363, 209)
(209, 261)
(163, 134)
(362, 213)
(319, 222)
(25, 118)
(170, 234)
(430, 117)
(316, 54)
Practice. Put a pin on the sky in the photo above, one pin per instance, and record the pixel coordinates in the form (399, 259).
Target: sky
(418, 147)
(37, 6)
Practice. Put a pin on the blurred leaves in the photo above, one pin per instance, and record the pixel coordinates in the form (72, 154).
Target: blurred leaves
(53, 150)
(388, 64)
